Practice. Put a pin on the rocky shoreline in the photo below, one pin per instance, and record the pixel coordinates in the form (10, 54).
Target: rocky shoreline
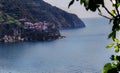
(12, 39)
(30, 35)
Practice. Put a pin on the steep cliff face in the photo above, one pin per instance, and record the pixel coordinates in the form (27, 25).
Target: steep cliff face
(12, 30)
(38, 10)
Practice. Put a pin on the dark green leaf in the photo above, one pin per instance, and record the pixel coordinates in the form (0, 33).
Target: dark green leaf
(110, 21)
(107, 67)
(112, 35)
(113, 70)
(114, 58)
(94, 4)
(110, 68)
(118, 4)
(82, 1)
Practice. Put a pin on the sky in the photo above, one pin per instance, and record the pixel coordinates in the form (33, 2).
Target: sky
(76, 8)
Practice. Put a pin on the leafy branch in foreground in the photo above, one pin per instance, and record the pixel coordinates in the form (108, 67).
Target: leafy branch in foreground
(114, 17)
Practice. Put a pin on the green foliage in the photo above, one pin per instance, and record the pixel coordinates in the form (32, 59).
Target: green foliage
(110, 21)
(110, 45)
(116, 49)
(112, 12)
(89, 4)
(115, 66)
(116, 40)
(6, 19)
(109, 67)
(94, 5)
(115, 44)
(114, 17)
(112, 35)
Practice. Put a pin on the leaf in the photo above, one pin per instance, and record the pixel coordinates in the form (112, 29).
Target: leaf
(110, 68)
(116, 49)
(115, 26)
(113, 5)
(116, 40)
(118, 4)
(112, 35)
(82, 1)
(115, 58)
(110, 45)
(110, 21)
(112, 12)
(112, 57)
(71, 2)
(107, 67)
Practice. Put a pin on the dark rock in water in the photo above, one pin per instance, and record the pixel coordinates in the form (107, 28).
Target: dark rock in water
(38, 10)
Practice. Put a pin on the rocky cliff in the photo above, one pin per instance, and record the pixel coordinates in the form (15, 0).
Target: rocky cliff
(12, 30)
(38, 10)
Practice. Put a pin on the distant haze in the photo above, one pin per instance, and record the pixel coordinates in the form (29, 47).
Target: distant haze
(76, 8)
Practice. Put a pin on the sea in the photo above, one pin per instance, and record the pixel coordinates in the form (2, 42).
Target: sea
(81, 51)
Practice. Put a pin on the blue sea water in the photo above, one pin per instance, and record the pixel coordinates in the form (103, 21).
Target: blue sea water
(82, 51)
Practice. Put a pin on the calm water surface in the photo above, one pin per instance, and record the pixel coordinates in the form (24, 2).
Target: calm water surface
(82, 51)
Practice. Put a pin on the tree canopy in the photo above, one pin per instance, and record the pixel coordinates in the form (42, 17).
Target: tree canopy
(89, 4)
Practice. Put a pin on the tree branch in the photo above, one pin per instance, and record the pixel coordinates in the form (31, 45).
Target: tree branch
(108, 11)
(117, 8)
(105, 16)
(100, 13)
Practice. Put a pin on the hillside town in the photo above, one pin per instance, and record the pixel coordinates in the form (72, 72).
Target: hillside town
(42, 26)
(28, 31)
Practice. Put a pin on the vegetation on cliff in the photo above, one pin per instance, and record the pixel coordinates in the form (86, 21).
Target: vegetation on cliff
(38, 10)
(33, 20)
(12, 30)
